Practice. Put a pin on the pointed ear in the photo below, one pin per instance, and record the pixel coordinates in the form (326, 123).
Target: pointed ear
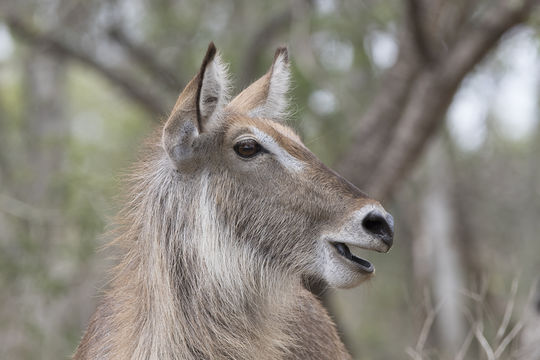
(196, 107)
(267, 97)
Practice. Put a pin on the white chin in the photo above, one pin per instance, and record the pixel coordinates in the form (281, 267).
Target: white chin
(341, 277)
(341, 273)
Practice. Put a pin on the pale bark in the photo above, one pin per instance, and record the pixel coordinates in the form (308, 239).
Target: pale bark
(436, 252)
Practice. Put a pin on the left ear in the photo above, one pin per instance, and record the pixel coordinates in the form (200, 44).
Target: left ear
(196, 109)
(267, 97)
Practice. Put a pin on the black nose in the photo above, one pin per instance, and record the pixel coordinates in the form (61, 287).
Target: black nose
(381, 226)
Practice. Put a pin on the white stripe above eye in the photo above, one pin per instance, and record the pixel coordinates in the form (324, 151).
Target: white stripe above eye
(282, 155)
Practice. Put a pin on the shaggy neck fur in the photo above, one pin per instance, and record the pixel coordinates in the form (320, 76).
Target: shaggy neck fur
(184, 290)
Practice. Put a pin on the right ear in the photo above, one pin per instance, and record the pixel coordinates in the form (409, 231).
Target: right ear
(267, 97)
(196, 107)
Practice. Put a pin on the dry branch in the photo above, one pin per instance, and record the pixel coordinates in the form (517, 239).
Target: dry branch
(466, 344)
(131, 88)
(508, 311)
(484, 343)
(492, 347)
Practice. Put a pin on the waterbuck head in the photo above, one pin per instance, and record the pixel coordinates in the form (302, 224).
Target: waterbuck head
(262, 199)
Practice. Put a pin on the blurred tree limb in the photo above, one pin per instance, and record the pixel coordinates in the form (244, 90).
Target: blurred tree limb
(259, 42)
(147, 60)
(441, 43)
(268, 31)
(416, 92)
(131, 88)
(26, 211)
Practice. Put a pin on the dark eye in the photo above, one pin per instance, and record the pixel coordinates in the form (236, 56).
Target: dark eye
(247, 148)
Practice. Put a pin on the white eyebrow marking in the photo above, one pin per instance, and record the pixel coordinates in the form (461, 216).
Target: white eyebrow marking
(286, 159)
(288, 133)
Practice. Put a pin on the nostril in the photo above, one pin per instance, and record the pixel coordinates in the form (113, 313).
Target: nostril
(377, 224)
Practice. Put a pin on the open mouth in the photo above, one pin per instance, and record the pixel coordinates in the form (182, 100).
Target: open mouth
(344, 251)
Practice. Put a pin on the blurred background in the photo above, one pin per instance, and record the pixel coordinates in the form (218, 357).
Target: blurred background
(430, 105)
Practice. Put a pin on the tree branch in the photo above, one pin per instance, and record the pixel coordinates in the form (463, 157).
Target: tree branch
(376, 125)
(415, 19)
(23, 210)
(147, 60)
(425, 98)
(260, 41)
(135, 91)
(482, 36)
(419, 120)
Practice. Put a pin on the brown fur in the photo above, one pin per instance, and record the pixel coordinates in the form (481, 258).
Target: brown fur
(215, 247)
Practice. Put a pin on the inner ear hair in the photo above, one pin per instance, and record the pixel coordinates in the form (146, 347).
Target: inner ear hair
(202, 98)
(212, 87)
(210, 54)
(267, 97)
(277, 100)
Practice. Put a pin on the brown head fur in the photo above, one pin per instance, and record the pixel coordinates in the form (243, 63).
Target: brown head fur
(216, 243)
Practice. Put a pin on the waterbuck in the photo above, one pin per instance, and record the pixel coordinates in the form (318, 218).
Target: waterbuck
(228, 215)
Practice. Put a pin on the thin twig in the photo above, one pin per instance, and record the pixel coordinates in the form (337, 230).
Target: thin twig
(483, 342)
(466, 344)
(508, 338)
(508, 311)
(20, 209)
(413, 354)
(471, 295)
(428, 322)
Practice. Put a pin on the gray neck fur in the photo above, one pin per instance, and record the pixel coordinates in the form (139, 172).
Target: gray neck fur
(184, 290)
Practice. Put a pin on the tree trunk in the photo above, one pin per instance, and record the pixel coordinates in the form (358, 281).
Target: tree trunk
(436, 256)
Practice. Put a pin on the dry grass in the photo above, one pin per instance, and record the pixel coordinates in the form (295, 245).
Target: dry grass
(503, 344)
